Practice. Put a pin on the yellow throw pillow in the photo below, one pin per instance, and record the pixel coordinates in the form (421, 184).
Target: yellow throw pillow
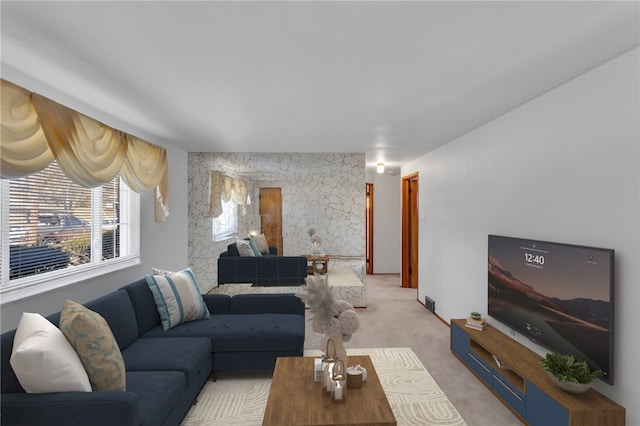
(93, 341)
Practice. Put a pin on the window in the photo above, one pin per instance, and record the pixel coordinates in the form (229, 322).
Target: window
(55, 232)
(225, 226)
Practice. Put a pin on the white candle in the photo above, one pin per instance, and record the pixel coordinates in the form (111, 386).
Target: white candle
(338, 391)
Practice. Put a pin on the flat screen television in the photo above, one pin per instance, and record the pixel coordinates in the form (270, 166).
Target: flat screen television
(558, 295)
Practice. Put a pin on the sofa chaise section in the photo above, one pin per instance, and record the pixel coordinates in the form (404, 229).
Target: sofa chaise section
(247, 331)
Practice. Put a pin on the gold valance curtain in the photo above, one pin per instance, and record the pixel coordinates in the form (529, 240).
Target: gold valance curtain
(37, 130)
(225, 188)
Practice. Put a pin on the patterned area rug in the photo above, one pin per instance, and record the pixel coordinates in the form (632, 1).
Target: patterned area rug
(415, 398)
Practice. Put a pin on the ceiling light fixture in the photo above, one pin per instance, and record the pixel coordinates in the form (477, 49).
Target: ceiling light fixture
(380, 168)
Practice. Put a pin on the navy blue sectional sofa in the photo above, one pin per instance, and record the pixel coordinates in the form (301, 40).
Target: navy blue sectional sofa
(165, 369)
(266, 270)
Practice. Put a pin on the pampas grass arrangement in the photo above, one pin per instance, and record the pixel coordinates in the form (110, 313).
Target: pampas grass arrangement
(330, 316)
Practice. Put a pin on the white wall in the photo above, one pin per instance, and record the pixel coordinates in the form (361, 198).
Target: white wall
(563, 167)
(162, 244)
(387, 223)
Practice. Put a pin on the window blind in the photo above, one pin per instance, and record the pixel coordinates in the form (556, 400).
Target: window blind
(55, 224)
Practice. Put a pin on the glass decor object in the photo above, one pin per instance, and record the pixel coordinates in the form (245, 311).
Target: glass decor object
(327, 367)
(339, 382)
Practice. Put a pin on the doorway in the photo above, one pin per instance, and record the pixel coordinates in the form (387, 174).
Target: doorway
(369, 228)
(271, 216)
(410, 231)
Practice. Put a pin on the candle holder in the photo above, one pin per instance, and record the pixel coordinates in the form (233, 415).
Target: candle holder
(339, 382)
(328, 361)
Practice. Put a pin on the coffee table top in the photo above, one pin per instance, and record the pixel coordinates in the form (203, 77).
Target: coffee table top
(296, 399)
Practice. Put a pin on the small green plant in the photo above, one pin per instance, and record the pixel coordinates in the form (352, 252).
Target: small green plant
(568, 368)
(476, 315)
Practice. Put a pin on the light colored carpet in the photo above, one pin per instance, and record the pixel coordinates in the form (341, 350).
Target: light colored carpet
(415, 398)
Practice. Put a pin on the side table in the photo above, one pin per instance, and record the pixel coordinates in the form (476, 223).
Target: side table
(317, 264)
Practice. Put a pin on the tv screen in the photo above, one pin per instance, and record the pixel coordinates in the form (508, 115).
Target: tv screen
(558, 295)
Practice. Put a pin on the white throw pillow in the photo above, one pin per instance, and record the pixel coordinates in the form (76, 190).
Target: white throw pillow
(158, 271)
(43, 360)
(244, 248)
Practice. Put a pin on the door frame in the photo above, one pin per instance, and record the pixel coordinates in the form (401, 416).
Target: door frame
(369, 228)
(409, 233)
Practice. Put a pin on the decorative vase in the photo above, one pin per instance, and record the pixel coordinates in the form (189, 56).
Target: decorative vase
(316, 249)
(340, 352)
(571, 387)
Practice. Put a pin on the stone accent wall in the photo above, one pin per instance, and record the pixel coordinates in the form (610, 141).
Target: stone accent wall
(321, 191)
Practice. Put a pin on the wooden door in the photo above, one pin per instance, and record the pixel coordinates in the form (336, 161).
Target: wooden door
(271, 216)
(410, 231)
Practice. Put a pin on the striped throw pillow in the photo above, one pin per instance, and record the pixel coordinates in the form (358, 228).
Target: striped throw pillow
(177, 298)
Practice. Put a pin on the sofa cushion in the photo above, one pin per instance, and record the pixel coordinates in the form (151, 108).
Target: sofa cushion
(218, 303)
(144, 305)
(261, 243)
(188, 355)
(8, 381)
(116, 308)
(244, 248)
(70, 408)
(91, 337)
(285, 270)
(177, 298)
(265, 332)
(236, 269)
(158, 392)
(231, 251)
(268, 332)
(267, 303)
(43, 360)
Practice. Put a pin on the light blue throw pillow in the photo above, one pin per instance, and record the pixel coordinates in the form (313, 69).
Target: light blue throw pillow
(255, 248)
(177, 298)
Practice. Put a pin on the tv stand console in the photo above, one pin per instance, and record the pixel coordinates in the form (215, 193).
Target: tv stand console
(524, 387)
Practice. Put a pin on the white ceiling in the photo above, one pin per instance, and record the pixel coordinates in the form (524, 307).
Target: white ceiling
(391, 79)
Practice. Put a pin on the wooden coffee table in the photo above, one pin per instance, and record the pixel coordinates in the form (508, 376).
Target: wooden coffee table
(296, 399)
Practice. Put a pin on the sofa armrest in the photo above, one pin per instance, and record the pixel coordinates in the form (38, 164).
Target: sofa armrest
(65, 408)
(267, 303)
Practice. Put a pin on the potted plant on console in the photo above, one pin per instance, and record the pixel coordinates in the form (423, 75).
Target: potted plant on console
(570, 374)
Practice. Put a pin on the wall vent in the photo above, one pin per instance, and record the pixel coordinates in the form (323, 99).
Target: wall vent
(430, 304)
